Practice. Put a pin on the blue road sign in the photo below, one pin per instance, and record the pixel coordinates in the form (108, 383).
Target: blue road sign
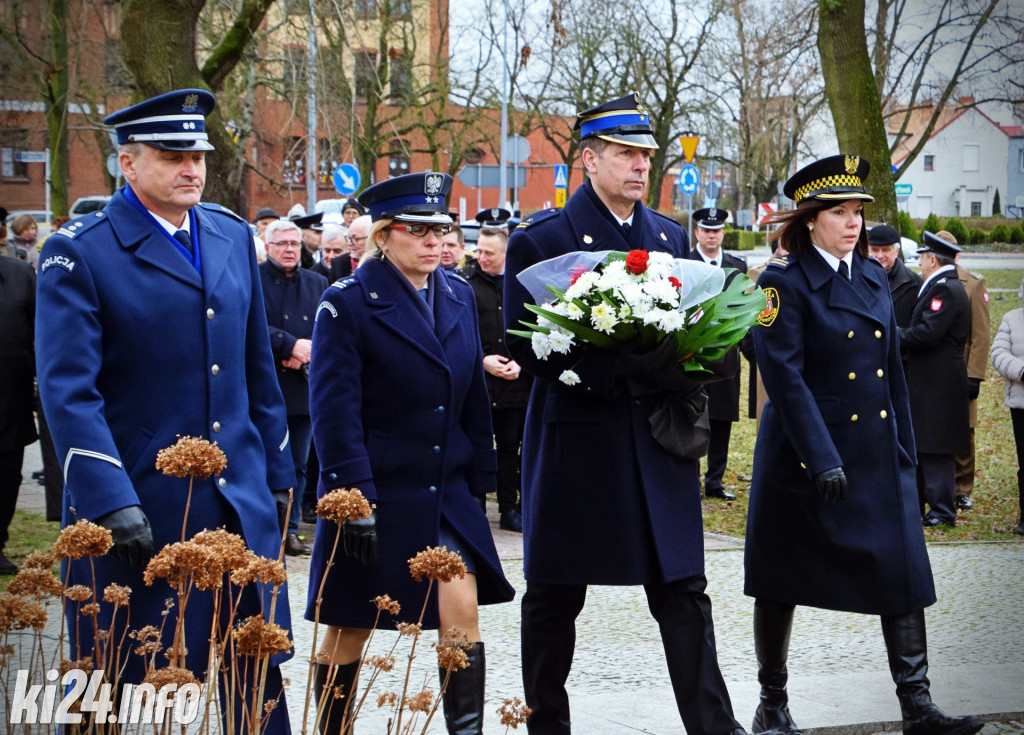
(689, 179)
(346, 179)
(561, 176)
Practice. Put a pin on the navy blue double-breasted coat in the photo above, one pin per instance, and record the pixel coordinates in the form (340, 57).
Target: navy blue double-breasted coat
(603, 502)
(402, 414)
(836, 398)
(135, 347)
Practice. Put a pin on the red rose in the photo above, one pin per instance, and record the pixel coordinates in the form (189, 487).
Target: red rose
(675, 282)
(576, 273)
(636, 261)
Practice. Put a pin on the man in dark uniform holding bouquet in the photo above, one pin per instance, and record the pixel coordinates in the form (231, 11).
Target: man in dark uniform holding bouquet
(603, 501)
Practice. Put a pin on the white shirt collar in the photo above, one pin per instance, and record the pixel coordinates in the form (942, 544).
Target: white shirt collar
(707, 258)
(171, 229)
(833, 261)
(623, 221)
(936, 274)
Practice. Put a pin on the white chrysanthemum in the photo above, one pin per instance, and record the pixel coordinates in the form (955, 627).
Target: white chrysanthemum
(558, 307)
(634, 296)
(541, 344)
(574, 312)
(672, 320)
(561, 341)
(569, 377)
(662, 291)
(583, 284)
(603, 317)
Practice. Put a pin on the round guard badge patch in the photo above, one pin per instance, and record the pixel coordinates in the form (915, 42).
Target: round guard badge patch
(771, 308)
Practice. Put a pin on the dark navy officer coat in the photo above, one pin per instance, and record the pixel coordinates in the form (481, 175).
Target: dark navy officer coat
(603, 502)
(135, 347)
(402, 414)
(836, 398)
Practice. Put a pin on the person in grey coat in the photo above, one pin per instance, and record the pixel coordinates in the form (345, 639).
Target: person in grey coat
(1008, 360)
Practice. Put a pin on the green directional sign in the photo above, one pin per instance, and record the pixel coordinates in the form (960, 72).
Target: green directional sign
(904, 190)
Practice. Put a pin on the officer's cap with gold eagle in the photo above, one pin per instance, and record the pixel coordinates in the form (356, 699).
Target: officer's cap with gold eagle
(175, 121)
(624, 120)
(836, 178)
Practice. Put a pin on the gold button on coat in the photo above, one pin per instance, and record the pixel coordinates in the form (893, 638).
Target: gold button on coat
(215, 369)
(880, 372)
(850, 335)
(853, 418)
(883, 413)
(852, 376)
(878, 333)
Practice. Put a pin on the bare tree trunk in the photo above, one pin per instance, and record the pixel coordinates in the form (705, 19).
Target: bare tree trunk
(56, 96)
(853, 98)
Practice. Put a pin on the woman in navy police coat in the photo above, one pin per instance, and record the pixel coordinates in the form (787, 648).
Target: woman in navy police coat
(833, 520)
(404, 417)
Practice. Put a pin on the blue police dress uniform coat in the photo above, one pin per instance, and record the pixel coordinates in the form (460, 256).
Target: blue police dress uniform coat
(836, 398)
(290, 303)
(402, 414)
(134, 347)
(603, 502)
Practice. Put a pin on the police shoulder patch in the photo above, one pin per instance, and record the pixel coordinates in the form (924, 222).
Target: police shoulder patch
(538, 217)
(325, 306)
(77, 226)
(771, 307)
(781, 262)
(59, 261)
(220, 209)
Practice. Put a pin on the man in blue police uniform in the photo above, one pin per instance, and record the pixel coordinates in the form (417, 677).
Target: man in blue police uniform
(723, 395)
(603, 501)
(151, 325)
(934, 342)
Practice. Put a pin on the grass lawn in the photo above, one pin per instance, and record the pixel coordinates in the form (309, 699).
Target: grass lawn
(29, 532)
(995, 495)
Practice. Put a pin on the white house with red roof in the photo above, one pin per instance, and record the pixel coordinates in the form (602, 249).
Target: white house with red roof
(965, 161)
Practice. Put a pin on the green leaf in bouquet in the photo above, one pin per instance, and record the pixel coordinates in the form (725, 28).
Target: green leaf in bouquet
(585, 333)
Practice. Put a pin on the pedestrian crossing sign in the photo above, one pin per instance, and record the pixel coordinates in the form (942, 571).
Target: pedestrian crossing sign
(561, 176)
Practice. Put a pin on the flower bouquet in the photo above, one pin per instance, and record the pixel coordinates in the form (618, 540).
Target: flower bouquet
(611, 299)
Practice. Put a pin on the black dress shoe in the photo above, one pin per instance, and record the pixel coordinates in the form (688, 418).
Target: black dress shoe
(718, 492)
(933, 522)
(511, 520)
(294, 547)
(308, 514)
(7, 566)
(1019, 530)
(963, 502)
(38, 474)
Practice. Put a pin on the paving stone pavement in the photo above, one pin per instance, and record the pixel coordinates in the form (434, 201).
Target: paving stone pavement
(839, 680)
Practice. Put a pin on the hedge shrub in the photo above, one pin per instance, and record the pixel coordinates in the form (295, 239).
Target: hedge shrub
(1000, 233)
(906, 227)
(957, 229)
(1017, 235)
(739, 240)
(931, 224)
(978, 236)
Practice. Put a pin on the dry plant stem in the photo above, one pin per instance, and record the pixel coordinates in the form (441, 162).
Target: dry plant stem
(316, 626)
(412, 655)
(188, 504)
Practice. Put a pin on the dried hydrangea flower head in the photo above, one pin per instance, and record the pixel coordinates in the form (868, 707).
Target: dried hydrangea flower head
(117, 594)
(421, 702)
(437, 564)
(191, 456)
(204, 560)
(35, 582)
(255, 567)
(83, 539)
(343, 505)
(19, 613)
(39, 560)
(256, 638)
(513, 713)
(384, 603)
(451, 649)
(170, 675)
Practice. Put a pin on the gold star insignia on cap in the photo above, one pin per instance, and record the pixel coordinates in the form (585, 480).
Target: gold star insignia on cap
(588, 239)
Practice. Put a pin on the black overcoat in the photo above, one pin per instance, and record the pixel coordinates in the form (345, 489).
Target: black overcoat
(836, 398)
(936, 371)
(603, 503)
(290, 304)
(17, 360)
(491, 317)
(903, 287)
(402, 415)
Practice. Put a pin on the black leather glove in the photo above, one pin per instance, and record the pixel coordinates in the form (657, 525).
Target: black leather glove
(281, 501)
(656, 370)
(360, 538)
(638, 364)
(133, 538)
(831, 483)
(973, 388)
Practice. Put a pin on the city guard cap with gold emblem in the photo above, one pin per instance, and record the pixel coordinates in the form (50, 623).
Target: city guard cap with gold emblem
(624, 121)
(711, 218)
(410, 198)
(836, 178)
(175, 121)
(934, 244)
(494, 217)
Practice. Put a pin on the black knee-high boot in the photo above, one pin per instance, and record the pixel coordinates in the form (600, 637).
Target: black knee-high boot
(906, 644)
(340, 706)
(464, 695)
(772, 625)
(1020, 492)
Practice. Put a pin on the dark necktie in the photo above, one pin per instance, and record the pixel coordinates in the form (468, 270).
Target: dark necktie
(714, 262)
(186, 241)
(625, 229)
(844, 270)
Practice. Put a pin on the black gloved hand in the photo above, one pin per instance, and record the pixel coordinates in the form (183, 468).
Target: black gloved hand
(656, 369)
(281, 501)
(973, 388)
(133, 538)
(360, 538)
(639, 364)
(831, 483)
